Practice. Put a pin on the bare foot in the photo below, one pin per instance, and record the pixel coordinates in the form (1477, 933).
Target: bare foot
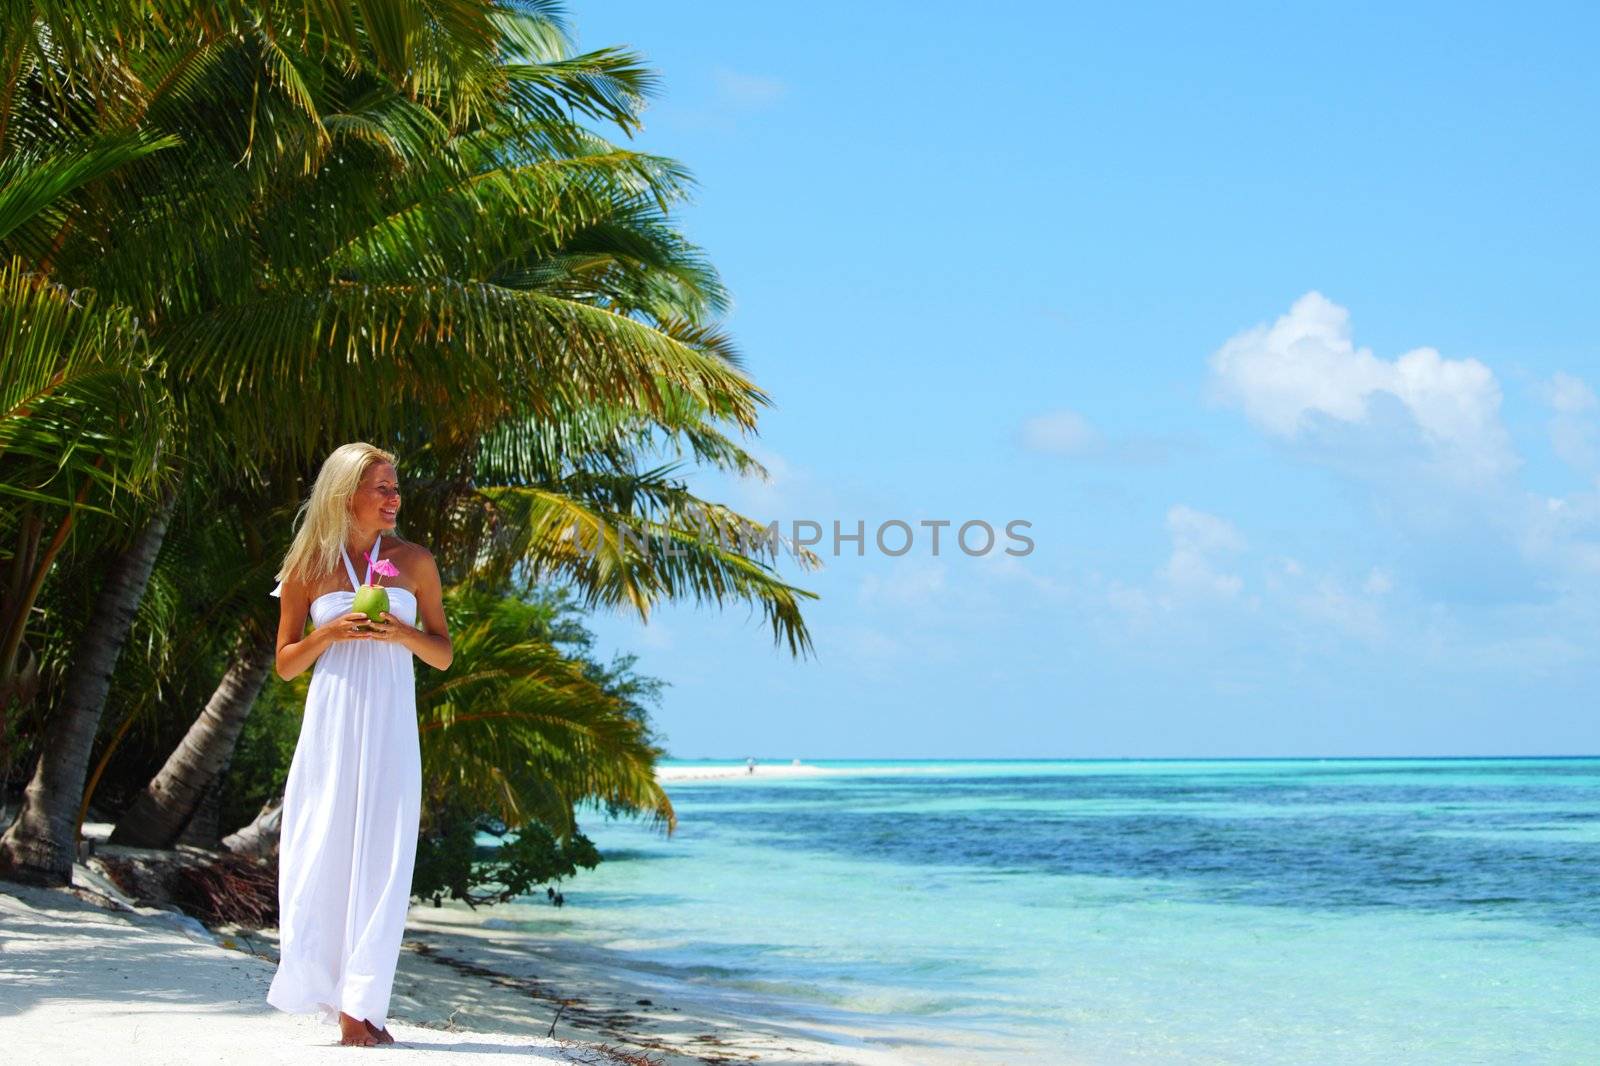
(354, 1032)
(382, 1034)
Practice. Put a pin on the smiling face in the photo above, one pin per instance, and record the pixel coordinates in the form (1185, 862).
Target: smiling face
(377, 501)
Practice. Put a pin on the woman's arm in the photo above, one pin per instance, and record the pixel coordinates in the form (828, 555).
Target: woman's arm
(432, 643)
(297, 649)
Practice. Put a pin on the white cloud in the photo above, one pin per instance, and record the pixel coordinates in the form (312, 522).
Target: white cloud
(1068, 433)
(1197, 593)
(789, 491)
(866, 651)
(1304, 371)
(1563, 532)
(1197, 539)
(1569, 394)
(1193, 572)
(998, 566)
(1425, 436)
(1135, 604)
(1574, 428)
(1330, 602)
(906, 584)
(1060, 433)
(1378, 583)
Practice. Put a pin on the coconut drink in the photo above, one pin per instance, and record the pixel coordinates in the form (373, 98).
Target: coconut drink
(373, 600)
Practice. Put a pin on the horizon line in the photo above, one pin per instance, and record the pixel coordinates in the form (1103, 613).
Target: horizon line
(789, 760)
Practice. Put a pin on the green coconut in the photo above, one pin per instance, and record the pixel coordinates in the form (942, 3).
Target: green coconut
(371, 600)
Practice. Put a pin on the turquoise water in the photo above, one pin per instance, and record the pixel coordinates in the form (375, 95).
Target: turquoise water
(1363, 911)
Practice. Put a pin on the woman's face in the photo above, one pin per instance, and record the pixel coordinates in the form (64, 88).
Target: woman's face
(377, 500)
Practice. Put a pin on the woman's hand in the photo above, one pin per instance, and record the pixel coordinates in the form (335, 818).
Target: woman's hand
(390, 629)
(350, 626)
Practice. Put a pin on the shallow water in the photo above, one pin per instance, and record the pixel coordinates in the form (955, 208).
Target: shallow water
(1351, 911)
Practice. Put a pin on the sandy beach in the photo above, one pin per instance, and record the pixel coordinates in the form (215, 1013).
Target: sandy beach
(90, 977)
(88, 974)
(761, 770)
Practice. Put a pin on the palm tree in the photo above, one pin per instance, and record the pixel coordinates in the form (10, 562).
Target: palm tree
(172, 238)
(80, 426)
(475, 326)
(512, 274)
(520, 732)
(526, 264)
(66, 365)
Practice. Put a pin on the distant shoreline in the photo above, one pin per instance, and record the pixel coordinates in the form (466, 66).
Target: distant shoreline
(676, 770)
(675, 764)
(708, 771)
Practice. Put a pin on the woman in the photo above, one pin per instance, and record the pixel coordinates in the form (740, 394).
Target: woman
(354, 794)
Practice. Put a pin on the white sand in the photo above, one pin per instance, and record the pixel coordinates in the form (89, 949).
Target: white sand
(763, 770)
(138, 987)
(84, 985)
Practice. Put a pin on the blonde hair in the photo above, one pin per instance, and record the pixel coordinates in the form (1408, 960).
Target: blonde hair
(326, 513)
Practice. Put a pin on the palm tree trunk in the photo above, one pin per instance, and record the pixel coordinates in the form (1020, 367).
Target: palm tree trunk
(204, 829)
(41, 844)
(161, 811)
(19, 684)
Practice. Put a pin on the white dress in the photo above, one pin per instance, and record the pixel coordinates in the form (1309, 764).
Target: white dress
(350, 817)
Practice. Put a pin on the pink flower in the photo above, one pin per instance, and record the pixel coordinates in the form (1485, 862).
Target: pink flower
(383, 566)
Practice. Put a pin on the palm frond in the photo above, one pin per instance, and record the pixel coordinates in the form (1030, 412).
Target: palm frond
(76, 400)
(519, 730)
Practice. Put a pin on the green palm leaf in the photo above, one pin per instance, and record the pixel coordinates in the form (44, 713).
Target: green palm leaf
(74, 402)
(516, 729)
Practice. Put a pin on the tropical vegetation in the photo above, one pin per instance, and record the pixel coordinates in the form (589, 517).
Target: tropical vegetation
(236, 235)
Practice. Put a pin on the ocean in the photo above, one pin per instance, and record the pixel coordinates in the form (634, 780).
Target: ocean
(1111, 912)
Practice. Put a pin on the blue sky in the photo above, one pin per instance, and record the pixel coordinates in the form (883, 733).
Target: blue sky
(1277, 324)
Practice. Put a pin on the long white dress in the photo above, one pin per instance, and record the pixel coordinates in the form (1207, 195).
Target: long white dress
(350, 816)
